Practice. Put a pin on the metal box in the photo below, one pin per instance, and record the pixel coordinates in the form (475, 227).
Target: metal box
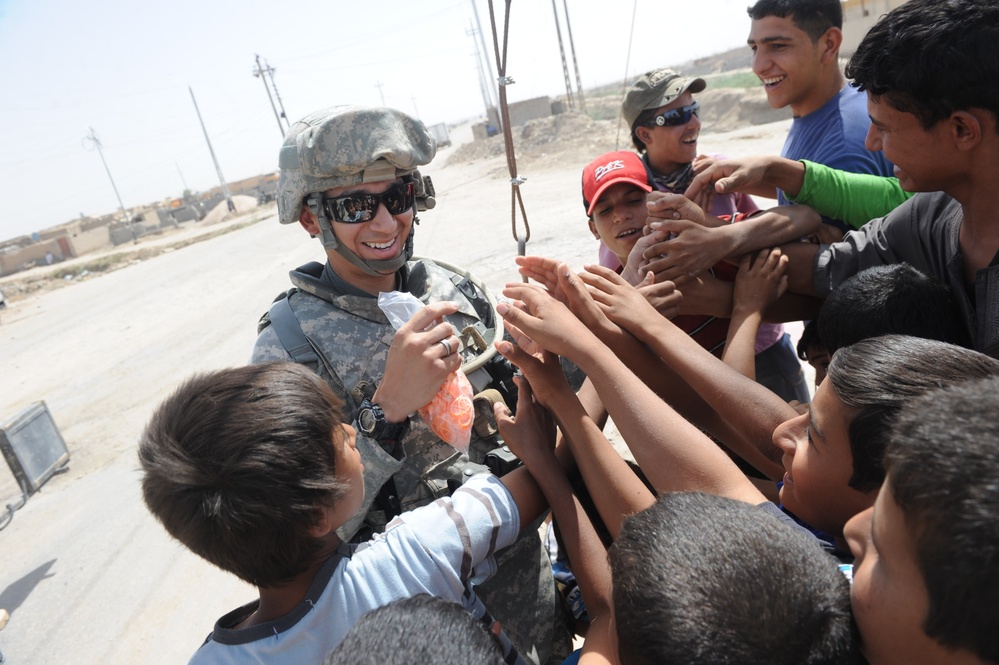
(33, 447)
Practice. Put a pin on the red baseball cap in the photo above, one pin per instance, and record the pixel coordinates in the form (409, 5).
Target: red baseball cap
(610, 169)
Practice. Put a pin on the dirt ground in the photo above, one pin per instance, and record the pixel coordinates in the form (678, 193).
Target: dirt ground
(87, 575)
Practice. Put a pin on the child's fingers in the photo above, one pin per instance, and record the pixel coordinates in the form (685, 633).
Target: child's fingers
(596, 277)
(529, 294)
(781, 266)
(782, 287)
(522, 320)
(772, 259)
(521, 339)
(516, 355)
(537, 263)
(573, 287)
(501, 412)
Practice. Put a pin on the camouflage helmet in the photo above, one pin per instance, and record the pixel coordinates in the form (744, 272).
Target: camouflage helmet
(346, 145)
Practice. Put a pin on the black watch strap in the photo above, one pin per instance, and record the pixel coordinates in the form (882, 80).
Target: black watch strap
(371, 422)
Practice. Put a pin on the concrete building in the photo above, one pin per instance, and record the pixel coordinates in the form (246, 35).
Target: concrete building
(859, 16)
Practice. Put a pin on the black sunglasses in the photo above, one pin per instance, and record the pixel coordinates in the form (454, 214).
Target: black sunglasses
(675, 117)
(361, 207)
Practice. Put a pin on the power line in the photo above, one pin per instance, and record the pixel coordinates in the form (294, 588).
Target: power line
(218, 169)
(575, 63)
(96, 142)
(260, 72)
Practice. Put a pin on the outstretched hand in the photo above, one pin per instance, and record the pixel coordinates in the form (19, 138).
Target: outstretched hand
(619, 301)
(760, 282)
(544, 271)
(564, 286)
(542, 370)
(634, 270)
(690, 249)
(663, 296)
(546, 320)
(667, 206)
(727, 176)
(531, 433)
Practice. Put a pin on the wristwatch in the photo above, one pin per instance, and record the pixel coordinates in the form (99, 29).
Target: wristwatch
(371, 423)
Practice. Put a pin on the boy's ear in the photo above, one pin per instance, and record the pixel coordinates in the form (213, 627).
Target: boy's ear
(644, 134)
(593, 228)
(965, 128)
(830, 42)
(323, 524)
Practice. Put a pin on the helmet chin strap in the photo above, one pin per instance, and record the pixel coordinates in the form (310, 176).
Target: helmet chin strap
(373, 268)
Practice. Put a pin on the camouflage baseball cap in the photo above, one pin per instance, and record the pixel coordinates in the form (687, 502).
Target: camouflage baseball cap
(346, 145)
(655, 89)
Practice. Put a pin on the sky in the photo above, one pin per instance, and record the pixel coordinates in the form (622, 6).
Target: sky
(124, 69)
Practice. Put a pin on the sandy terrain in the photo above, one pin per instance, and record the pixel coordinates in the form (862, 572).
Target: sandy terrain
(88, 576)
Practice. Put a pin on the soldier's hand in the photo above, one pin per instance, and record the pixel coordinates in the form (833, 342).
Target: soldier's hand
(423, 352)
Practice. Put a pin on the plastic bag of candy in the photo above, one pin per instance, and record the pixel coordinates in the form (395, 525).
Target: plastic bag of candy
(450, 413)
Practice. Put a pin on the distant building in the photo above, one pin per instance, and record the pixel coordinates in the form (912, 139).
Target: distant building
(520, 113)
(859, 16)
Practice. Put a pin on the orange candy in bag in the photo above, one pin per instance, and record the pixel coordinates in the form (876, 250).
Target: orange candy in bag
(450, 413)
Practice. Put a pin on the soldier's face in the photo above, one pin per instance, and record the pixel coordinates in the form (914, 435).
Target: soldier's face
(381, 238)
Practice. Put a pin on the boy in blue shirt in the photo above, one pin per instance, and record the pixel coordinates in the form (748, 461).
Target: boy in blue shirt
(253, 470)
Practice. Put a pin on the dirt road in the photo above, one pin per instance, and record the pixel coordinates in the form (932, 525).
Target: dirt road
(87, 575)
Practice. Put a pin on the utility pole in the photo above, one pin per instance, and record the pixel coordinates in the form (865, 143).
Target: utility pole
(259, 73)
(485, 83)
(380, 93)
(181, 173)
(491, 101)
(575, 63)
(277, 95)
(565, 65)
(218, 169)
(96, 143)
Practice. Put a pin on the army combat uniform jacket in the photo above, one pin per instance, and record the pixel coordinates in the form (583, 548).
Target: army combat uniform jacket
(354, 335)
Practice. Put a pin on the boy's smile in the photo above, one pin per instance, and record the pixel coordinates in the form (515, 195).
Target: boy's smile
(818, 464)
(619, 217)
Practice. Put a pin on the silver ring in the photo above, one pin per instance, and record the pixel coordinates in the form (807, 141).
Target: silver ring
(447, 346)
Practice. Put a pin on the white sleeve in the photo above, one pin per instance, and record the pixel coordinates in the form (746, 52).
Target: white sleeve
(465, 530)
(439, 547)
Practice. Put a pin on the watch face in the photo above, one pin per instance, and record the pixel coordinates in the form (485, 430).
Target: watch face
(366, 420)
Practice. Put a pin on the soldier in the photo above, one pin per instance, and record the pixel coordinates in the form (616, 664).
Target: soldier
(349, 176)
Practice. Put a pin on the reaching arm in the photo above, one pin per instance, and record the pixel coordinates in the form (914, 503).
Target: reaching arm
(761, 175)
(653, 430)
(757, 285)
(526, 494)
(855, 198)
(692, 248)
(749, 407)
(586, 552)
(636, 355)
(615, 489)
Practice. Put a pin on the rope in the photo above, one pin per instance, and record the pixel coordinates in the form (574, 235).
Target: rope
(516, 201)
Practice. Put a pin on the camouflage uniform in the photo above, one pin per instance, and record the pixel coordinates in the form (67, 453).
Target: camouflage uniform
(354, 336)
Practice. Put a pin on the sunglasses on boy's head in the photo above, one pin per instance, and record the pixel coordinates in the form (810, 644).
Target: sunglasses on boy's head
(675, 117)
(361, 207)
